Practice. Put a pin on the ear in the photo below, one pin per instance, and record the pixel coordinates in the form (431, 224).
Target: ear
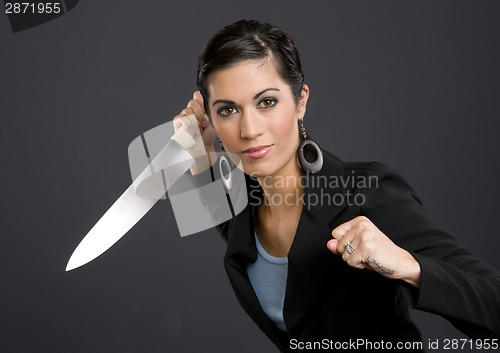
(302, 102)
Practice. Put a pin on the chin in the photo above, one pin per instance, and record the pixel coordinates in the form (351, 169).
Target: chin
(258, 171)
(262, 171)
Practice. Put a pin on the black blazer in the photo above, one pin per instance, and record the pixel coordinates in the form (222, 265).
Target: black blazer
(327, 299)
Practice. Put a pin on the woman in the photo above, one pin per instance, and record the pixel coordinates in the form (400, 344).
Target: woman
(317, 264)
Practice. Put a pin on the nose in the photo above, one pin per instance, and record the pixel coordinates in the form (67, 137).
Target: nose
(251, 125)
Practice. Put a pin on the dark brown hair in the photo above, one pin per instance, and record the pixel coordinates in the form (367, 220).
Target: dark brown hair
(246, 40)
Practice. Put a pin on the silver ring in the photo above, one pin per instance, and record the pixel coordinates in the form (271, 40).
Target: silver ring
(349, 248)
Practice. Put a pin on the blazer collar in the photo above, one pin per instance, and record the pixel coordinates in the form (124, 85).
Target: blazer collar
(307, 256)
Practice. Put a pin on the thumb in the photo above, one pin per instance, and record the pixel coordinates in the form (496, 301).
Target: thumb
(332, 246)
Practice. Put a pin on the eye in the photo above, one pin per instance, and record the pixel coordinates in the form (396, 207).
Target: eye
(226, 111)
(268, 102)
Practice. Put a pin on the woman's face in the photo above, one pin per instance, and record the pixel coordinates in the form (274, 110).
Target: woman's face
(255, 115)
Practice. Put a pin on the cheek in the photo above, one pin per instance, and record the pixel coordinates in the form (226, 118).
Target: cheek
(287, 127)
(226, 132)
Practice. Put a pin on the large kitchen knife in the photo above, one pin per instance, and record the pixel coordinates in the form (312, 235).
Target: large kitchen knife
(172, 161)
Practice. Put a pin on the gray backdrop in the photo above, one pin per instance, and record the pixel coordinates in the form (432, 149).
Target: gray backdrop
(414, 84)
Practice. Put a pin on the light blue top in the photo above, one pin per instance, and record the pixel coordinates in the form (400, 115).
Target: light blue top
(268, 277)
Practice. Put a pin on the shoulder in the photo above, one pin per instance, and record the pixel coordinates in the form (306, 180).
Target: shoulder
(378, 173)
(370, 183)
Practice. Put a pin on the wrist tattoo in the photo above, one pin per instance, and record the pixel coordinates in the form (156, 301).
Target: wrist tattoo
(379, 266)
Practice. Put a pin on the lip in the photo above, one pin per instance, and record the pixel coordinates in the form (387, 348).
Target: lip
(258, 151)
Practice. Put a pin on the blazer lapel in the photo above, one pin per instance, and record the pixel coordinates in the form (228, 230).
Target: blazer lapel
(307, 257)
(241, 250)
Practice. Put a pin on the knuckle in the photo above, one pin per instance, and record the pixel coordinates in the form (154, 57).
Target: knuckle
(351, 261)
(369, 247)
(365, 223)
(178, 120)
(365, 236)
(337, 234)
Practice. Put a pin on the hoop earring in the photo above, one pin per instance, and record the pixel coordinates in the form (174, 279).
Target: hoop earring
(228, 183)
(309, 167)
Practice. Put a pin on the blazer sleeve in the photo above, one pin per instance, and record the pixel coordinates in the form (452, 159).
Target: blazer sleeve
(201, 179)
(454, 284)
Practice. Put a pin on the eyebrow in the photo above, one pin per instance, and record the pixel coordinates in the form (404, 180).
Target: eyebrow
(255, 97)
(264, 91)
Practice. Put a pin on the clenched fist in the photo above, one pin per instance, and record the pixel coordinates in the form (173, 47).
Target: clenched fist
(362, 245)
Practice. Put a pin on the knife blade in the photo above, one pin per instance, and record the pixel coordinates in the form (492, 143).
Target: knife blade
(173, 161)
(118, 220)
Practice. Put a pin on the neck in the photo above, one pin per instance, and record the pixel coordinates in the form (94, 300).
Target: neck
(283, 191)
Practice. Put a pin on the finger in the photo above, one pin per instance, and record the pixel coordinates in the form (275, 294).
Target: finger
(197, 95)
(184, 120)
(187, 111)
(190, 127)
(356, 262)
(357, 259)
(348, 237)
(353, 238)
(339, 232)
(347, 251)
(178, 121)
(192, 124)
(345, 256)
(332, 246)
(197, 109)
